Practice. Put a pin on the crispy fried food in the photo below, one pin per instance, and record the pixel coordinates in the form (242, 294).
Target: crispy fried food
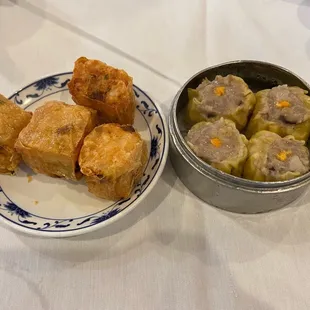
(51, 143)
(106, 89)
(12, 120)
(113, 158)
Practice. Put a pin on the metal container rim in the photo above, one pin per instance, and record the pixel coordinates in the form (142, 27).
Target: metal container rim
(206, 169)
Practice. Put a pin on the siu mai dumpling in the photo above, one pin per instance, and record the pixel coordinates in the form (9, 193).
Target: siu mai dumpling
(228, 97)
(283, 110)
(273, 158)
(219, 144)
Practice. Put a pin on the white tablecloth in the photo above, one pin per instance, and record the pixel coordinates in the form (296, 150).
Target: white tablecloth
(173, 251)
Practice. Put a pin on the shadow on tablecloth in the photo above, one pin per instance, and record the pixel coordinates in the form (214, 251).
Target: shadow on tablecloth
(104, 242)
(285, 226)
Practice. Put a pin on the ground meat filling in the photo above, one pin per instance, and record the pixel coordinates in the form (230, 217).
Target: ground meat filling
(215, 142)
(222, 96)
(286, 155)
(284, 105)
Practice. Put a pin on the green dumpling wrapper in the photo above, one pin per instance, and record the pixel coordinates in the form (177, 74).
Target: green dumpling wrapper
(273, 158)
(228, 97)
(219, 144)
(283, 110)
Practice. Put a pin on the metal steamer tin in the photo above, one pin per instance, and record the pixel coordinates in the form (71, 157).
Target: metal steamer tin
(214, 186)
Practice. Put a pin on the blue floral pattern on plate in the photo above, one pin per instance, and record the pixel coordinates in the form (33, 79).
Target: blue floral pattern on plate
(16, 215)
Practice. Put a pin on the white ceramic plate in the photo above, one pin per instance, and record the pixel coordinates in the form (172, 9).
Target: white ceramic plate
(51, 207)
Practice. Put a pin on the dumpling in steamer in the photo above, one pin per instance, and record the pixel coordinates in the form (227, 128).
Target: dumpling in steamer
(219, 144)
(272, 158)
(228, 97)
(283, 110)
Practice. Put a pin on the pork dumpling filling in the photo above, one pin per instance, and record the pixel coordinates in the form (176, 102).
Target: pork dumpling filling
(228, 97)
(272, 158)
(283, 110)
(219, 144)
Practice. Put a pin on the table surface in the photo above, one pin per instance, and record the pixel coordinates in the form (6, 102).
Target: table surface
(173, 251)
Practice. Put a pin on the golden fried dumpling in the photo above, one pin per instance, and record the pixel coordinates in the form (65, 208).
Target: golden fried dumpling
(283, 110)
(51, 142)
(113, 158)
(272, 158)
(106, 89)
(219, 144)
(228, 97)
(12, 120)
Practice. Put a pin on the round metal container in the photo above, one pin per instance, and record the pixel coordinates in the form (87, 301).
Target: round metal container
(214, 186)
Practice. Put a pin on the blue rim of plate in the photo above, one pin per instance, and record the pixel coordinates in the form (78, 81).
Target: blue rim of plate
(25, 221)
